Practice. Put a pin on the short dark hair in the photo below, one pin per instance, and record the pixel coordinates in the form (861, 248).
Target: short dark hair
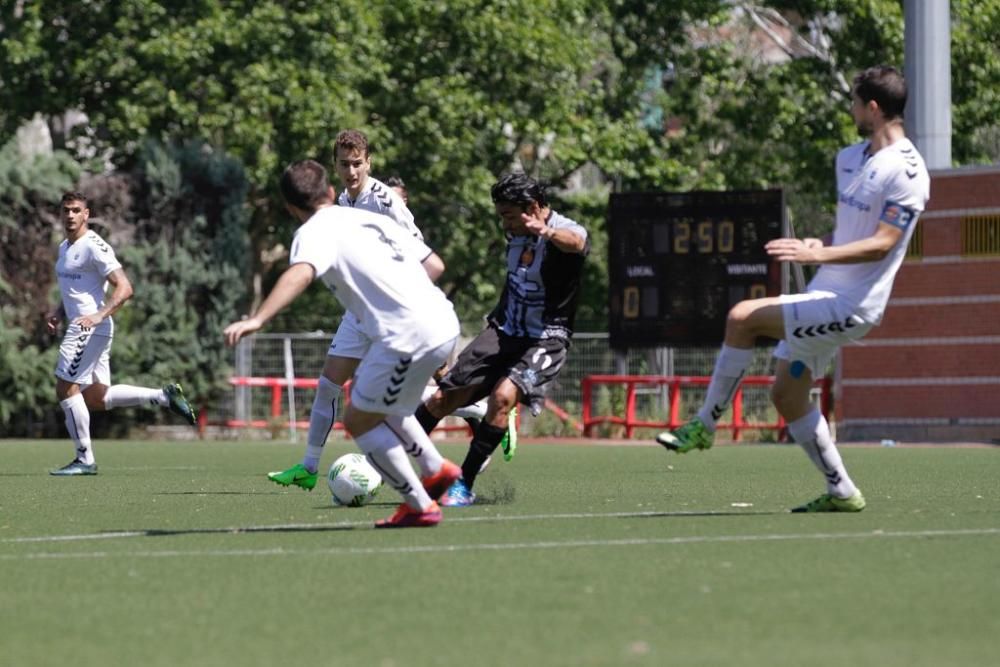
(305, 184)
(73, 195)
(886, 86)
(518, 188)
(351, 140)
(395, 182)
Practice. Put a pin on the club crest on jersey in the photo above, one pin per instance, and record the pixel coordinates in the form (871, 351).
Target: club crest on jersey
(527, 256)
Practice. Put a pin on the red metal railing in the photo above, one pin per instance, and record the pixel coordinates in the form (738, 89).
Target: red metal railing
(277, 385)
(674, 385)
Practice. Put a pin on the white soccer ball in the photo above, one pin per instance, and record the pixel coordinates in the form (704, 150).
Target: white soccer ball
(353, 481)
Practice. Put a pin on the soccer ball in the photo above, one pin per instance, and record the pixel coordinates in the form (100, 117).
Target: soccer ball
(353, 481)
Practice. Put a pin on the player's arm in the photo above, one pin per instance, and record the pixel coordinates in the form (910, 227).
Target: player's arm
(434, 266)
(121, 292)
(811, 251)
(564, 238)
(571, 239)
(292, 283)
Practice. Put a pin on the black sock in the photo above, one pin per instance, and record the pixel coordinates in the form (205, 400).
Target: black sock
(426, 419)
(473, 423)
(486, 440)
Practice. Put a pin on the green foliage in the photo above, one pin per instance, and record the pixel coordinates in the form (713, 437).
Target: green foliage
(186, 260)
(26, 386)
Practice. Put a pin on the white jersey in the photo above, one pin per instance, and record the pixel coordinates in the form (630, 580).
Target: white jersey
(891, 186)
(374, 268)
(82, 269)
(378, 197)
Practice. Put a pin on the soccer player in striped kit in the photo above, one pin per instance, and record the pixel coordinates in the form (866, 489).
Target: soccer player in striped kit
(882, 186)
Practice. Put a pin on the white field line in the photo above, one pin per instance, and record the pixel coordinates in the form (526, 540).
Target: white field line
(509, 546)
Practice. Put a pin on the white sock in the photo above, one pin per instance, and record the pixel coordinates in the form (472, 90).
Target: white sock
(475, 411)
(812, 433)
(126, 396)
(78, 425)
(730, 368)
(416, 443)
(386, 454)
(321, 418)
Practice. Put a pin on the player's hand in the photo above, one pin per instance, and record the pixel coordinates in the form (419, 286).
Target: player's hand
(534, 223)
(89, 321)
(237, 330)
(803, 251)
(52, 322)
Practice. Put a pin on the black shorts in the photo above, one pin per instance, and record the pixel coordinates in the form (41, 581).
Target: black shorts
(530, 363)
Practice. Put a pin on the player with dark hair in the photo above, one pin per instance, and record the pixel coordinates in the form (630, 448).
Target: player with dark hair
(521, 351)
(376, 269)
(399, 187)
(882, 187)
(85, 266)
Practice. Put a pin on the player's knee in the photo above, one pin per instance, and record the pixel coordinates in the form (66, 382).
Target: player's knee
(789, 403)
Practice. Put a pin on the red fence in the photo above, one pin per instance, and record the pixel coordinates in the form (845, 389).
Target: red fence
(277, 386)
(675, 384)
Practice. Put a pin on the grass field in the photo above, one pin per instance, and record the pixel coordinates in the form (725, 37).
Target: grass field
(184, 554)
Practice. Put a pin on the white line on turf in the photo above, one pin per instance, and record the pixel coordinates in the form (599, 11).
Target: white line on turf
(511, 546)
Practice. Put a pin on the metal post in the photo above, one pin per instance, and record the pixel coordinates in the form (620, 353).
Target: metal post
(293, 433)
(927, 67)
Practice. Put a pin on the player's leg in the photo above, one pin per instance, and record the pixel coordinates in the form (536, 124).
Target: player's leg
(387, 386)
(531, 368)
(347, 348)
(79, 360)
(815, 329)
(484, 442)
(810, 430)
(101, 397)
(747, 321)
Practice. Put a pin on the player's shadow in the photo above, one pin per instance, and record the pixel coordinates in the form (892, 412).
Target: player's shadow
(218, 493)
(164, 532)
(682, 514)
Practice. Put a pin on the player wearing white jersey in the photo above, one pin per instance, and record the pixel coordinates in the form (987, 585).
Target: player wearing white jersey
(882, 187)
(375, 269)
(86, 264)
(350, 342)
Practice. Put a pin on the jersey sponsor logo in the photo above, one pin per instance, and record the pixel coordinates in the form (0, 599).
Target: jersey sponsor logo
(897, 215)
(70, 276)
(853, 202)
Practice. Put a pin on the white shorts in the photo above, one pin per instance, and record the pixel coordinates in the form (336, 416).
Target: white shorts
(84, 357)
(391, 382)
(817, 324)
(349, 341)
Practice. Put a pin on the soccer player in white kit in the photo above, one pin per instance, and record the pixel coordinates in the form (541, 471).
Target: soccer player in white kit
(882, 187)
(374, 267)
(86, 264)
(350, 343)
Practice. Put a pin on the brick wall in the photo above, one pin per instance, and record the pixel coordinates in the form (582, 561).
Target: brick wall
(931, 371)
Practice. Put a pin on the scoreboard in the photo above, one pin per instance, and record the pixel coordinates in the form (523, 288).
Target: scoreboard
(679, 260)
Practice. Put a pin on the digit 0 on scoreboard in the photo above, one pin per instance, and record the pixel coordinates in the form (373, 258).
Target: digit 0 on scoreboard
(680, 260)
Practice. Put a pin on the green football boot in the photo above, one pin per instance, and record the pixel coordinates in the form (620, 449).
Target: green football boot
(509, 441)
(828, 503)
(693, 435)
(75, 467)
(297, 475)
(178, 403)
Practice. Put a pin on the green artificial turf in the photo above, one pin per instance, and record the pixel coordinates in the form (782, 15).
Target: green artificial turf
(184, 554)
